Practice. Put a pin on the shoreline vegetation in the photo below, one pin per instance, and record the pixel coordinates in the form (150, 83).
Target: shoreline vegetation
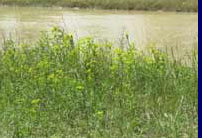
(61, 88)
(147, 5)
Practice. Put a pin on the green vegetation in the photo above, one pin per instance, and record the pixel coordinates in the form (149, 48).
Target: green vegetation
(173, 5)
(61, 88)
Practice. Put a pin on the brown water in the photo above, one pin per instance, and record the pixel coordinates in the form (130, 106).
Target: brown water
(165, 29)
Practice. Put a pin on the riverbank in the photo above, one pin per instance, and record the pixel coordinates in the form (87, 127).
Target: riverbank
(58, 88)
(151, 5)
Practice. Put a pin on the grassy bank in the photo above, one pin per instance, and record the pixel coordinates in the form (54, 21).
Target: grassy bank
(58, 88)
(171, 5)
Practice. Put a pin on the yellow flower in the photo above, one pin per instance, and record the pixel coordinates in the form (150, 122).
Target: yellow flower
(80, 88)
(36, 101)
(100, 113)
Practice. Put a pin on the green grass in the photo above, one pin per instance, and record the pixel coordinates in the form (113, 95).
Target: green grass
(171, 5)
(59, 88)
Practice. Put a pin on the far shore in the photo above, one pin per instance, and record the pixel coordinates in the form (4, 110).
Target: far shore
(129, 5)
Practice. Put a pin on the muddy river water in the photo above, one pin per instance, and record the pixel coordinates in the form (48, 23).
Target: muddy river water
(165, 29)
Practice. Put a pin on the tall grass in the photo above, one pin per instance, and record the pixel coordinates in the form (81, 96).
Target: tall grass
(173, 5)
(61, 88)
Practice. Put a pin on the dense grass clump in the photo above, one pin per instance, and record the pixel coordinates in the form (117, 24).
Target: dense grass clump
(62, 88)
(173, 5)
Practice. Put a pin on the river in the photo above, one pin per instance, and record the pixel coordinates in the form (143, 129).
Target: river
(164, 29)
